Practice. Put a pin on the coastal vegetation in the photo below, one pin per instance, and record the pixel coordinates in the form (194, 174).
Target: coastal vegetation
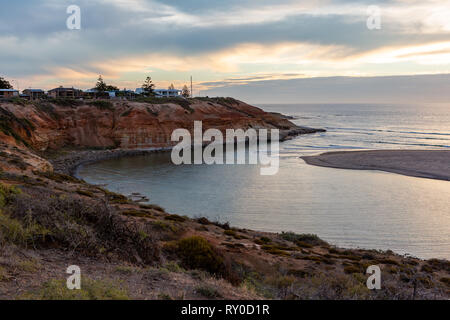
(91, 290)
(125, 249)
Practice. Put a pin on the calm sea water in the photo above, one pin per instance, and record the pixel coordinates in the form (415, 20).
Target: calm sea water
(365, 209)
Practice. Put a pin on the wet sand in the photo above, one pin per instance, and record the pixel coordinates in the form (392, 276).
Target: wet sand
(433, 164)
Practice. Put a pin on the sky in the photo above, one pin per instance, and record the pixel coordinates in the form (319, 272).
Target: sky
(244, 48)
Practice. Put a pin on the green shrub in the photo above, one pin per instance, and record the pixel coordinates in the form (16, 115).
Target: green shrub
(208, 292)
(352, 269)
(126, 270)
(426, 268)
(18, 101)
(102, 105)
(303, 244)
(152, 207)
(258, 241)
(314, 258)
(265, 239)
(85, 193)
(203, 221)
(47, 108)
(388, 261)
(226, 101)
(13, 231)
(197, 253)
(277, 252)
(136, 213)
(446, 281)
(163, 226)
(310, 239)
(440, 264)
(7, 194)
(298, 273)
(164, 296)
(116, 197)
(175, 217)
(65, 102)
(277, 246)
(30, 265)
(90, 290)
(233, 245)
(184, 103)
(426, 282)
(350, 257)
(3, 274)
(172, 266)
(57, 177)
(223, 225)
(234, 234)
(230, 233)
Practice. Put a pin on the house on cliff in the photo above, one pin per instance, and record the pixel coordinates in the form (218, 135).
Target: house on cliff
(8, 93)
(69, 93)
(162, 93)
(33, 94)
(167, 93)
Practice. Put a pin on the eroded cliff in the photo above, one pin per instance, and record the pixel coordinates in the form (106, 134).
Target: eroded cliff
(127, 125)
(43, 126)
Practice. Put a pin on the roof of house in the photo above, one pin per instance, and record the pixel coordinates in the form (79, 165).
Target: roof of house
(169, 90)
(64, 89)
(9, 90)
(34, 90)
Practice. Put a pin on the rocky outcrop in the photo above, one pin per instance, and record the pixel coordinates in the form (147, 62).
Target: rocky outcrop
(130, 125)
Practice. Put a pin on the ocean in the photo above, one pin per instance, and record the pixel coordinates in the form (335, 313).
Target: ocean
(348, 208)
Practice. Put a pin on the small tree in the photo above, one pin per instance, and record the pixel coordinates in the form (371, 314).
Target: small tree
(101, 85)
(111, 88)
(4, 84)
(172, 87)
(185, 92)
(148, 87)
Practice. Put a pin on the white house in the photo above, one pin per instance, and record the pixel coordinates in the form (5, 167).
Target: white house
(166, 93)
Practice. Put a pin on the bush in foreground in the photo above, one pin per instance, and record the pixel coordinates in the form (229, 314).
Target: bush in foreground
(197, 253)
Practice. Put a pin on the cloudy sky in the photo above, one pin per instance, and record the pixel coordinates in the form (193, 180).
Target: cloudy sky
(228, 46)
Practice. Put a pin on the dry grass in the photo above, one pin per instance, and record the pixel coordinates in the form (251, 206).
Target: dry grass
(90, 290)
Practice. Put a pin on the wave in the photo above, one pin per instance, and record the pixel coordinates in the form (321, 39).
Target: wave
(390, 131)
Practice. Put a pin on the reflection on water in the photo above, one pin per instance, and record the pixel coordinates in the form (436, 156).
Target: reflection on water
(348, 208)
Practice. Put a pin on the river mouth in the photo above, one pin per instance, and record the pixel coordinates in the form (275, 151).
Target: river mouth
(354, 209)
(341, 206)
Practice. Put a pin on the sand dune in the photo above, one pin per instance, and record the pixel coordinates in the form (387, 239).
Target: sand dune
(434, 164)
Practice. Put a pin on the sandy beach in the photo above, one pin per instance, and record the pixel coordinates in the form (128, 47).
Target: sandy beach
(433, 164)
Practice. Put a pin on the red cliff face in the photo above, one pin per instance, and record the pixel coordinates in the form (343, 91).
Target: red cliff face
(128, 125)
